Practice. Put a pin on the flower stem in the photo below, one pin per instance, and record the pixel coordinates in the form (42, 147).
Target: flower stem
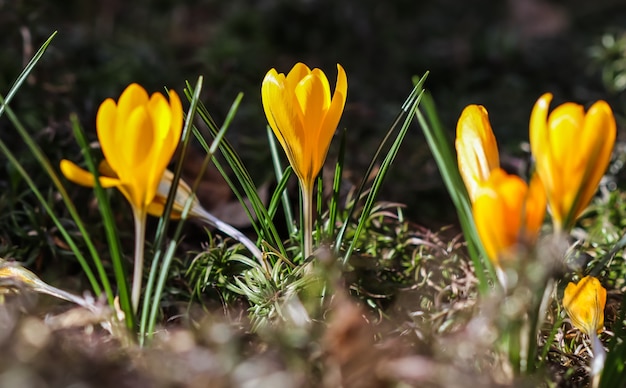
(140, 237)
(307, 220)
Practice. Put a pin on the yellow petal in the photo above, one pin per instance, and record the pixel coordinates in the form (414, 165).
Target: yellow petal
(489, 214)
(163, 143)
(106, 124)
(295, 75)
(136, 149)
(272, 85)
(476, 147)
(584, 303)
(539, 124)
(83, 177)
(497, 213)
(283, 114)
(564, 129)
(104, 168)
(313, 97)
(508, 213)
(176, 121)
(599, 131)
(132, 97)
(338, 101)
(335, 110)
(534, 209)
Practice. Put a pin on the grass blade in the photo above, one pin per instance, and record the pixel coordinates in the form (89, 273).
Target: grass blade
(111, 232)
(278, 169)
(264, 227)
(334, 200)
(446, 161)
(47, 166)
(403, 112)
(382, 172)
(148, 300)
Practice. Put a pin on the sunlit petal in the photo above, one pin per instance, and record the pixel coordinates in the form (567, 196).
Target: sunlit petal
(584, 303)
(507, 214)
(476, 147)
(105, 126)
(133, 96)
(295, 75)
(83, 177)
(599, 118)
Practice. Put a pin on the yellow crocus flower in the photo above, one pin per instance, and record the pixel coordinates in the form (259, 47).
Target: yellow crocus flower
(304, 117)
(138, 136)
(572, 150)
(584, 303)
(476, 148)
(507, 213)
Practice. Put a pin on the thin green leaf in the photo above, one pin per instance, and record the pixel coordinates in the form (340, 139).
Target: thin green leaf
(148, 300)
(47, 166)
(68, 238)
(266, 227)
(279, 192)
(380, 176)
(334, 200)
(26, 72)
(111, 232)
(278, 169)
(446, 161)
(169, 253)
(403, 111)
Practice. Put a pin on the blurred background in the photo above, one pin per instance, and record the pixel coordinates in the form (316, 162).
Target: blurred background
(502, 54)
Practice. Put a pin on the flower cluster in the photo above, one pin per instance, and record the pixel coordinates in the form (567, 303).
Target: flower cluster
(571, 150)
(139, 134)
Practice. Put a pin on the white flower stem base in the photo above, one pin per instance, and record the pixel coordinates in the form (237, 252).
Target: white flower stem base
(140, 237)
(307, 221)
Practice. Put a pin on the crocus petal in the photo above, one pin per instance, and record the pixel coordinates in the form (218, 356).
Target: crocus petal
(161, 151)
(534, 208)
(476, 148)
(132, 97)
(295, 75)
(312, 99)
(176, 124)
(331, 121)
(135, 175)
(337, 105)
(539, 124)
(283, 117)
(507, 214)
(105, 125)
(584, 303)
(270, 88)
(599, 118)
(83, 177)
